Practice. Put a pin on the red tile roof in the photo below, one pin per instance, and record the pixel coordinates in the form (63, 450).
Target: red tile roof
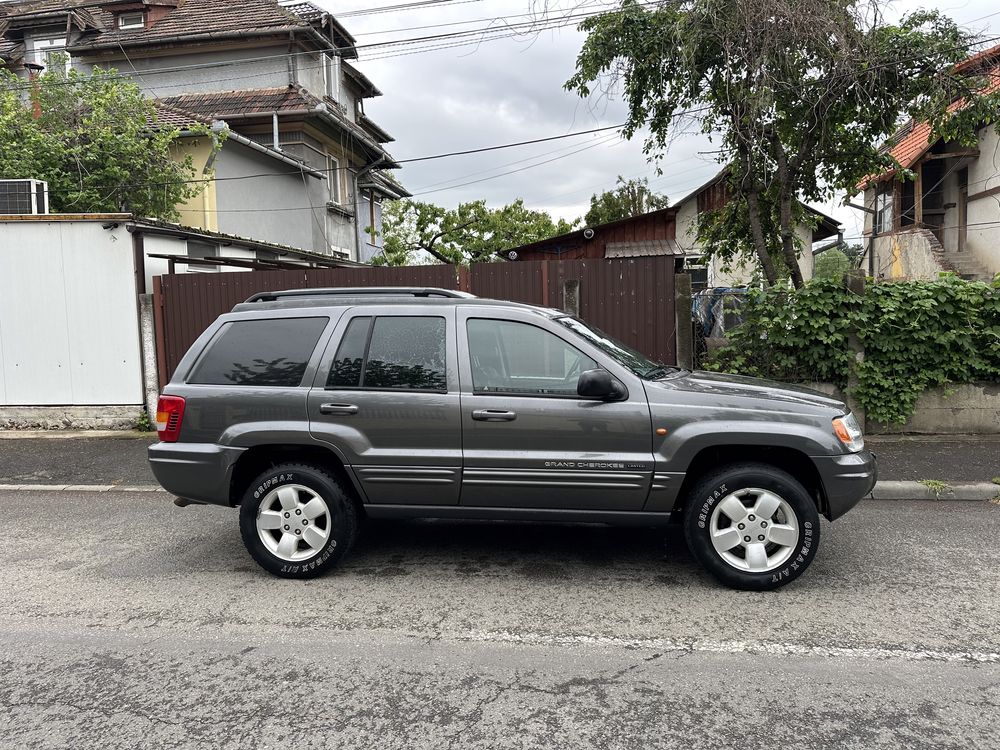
(915, 139)
(190, 17)
(245, 102)
(176, 117)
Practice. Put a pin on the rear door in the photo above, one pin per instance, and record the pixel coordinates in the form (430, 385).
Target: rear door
(529, 440)
(386, 396)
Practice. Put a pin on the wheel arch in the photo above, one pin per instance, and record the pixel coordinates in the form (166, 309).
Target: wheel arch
(259, 458)
(793, 461)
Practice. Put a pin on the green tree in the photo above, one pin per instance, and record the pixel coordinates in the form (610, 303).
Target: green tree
(96, 142)
(629, 198)
(831, 264)
(800, 95)
(471, 233)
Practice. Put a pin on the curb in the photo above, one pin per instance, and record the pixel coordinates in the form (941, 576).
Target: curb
(909, 490)
(887, 490)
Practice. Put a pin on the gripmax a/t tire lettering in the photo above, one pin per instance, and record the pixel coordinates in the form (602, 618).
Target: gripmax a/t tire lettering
(721, 483)
(343, 524)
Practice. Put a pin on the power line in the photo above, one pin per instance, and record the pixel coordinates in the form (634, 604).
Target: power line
(421, 4)
(508, 145)
(488, 34)
(600, 142)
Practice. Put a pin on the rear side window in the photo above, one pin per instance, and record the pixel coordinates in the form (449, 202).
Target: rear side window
(394, 352)
(271, 352)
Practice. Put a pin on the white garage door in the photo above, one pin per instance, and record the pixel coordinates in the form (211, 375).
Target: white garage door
(69, 332)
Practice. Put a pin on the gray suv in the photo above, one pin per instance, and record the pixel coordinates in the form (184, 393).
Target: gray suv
(313, 409)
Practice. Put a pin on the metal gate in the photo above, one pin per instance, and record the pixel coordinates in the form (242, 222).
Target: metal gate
(631, 299)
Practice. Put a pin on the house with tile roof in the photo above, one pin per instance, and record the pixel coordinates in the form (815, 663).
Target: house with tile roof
(301, 162)
(947, 217)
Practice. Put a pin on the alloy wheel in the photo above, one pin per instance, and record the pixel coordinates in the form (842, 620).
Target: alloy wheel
(293, 522)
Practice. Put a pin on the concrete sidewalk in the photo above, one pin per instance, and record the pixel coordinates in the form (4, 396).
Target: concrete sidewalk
(118, 459)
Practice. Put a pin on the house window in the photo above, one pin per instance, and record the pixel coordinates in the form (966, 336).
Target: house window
(202, 250)
(51, 53)
(883, 212)
(331, 75)
(333, 178)
(136, 20)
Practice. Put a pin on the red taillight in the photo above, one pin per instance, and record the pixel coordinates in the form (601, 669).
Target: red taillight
(169, 413)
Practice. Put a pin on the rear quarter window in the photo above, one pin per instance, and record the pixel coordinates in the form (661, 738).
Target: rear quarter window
(272, 352)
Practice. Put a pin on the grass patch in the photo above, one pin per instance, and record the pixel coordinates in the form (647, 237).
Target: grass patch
(936, 486)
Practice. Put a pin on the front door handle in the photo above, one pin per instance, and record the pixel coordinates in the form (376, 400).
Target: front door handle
(493, 415)
(338, 409)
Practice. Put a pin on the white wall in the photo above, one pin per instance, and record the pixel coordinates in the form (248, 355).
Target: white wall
(983, 238)
(738, 274)
(69, 331)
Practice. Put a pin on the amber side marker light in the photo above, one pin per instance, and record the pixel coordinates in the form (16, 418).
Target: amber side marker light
(849, 433)
(661, 431)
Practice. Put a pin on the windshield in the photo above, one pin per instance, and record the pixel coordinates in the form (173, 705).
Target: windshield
(638, 363)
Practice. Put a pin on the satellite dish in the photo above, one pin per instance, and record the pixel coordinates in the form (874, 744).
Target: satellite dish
(588, 233)
(512, 255)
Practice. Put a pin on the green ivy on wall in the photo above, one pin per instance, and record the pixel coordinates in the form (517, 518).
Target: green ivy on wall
(916, 335)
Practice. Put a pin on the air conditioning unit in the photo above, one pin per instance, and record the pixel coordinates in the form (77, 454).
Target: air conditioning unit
(24, 197)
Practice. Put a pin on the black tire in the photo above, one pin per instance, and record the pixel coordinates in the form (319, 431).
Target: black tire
(720, 485)
(339, 523)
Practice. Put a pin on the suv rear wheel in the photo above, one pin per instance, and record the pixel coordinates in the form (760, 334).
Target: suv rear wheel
(297, 521)
(753, 526)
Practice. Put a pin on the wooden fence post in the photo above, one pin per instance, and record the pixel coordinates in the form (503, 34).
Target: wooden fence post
(683, 330)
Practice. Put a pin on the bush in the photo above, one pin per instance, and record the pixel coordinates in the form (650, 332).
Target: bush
(916, 335)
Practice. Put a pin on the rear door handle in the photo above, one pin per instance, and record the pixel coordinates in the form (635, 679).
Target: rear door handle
(493, 415)
(338, 409)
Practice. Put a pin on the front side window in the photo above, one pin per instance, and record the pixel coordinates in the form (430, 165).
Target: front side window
(392, 352)
(271, 352)
(511, 357)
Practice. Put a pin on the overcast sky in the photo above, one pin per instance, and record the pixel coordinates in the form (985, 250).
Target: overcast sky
(511, 89)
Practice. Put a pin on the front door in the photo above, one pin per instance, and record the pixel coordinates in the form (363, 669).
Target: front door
(386, 396)
(528, 440)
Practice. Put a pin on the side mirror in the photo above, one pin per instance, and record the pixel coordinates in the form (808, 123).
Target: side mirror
(598, 384)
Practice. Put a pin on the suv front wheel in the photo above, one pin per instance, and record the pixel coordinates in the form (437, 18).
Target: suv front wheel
(753, 526)
(297, 521)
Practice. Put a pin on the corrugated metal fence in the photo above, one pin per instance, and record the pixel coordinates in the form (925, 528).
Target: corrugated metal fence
(631, 299)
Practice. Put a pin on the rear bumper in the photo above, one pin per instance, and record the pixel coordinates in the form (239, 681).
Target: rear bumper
(195, 471)
(846, 480)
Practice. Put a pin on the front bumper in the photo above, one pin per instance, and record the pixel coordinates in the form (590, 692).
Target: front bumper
(846, 480)
(194, 471)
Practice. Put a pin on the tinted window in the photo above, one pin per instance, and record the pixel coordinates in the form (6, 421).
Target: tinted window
(260, 352)
(509, 357)
(407, 353)
(347, 365)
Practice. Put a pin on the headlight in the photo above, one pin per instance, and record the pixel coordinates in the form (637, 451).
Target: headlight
(847, 430)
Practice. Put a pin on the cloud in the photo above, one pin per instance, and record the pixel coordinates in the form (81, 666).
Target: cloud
(511, 90)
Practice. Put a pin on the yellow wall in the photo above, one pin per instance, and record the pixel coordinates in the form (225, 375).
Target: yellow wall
(200, 211)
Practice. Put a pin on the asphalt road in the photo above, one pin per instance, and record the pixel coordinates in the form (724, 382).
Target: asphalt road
(126, 622)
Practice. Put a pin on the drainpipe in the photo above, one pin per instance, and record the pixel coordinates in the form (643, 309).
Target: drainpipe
(357, 202)
(275, 138)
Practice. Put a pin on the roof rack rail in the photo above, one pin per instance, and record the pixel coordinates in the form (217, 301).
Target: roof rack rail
(360, 291)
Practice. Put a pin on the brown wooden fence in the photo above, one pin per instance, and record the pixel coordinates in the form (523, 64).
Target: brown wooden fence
(631, 298)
